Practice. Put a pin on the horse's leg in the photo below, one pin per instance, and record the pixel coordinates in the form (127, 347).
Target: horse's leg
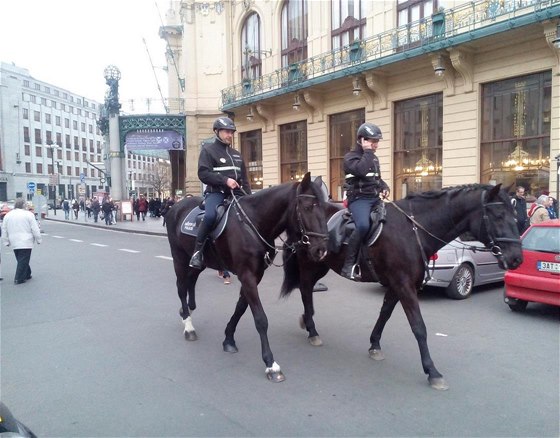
(390, 300)
(229, 341)
(409, 302)
(251, 294)
(307, 281)
(186, 280)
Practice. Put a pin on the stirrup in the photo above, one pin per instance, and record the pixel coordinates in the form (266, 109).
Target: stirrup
(196, 260)
(356, 273)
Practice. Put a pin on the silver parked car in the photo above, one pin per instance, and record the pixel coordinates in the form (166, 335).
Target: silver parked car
(458, 268)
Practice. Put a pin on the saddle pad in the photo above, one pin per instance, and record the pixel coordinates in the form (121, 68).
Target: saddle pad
(191, 223)
(341, 225)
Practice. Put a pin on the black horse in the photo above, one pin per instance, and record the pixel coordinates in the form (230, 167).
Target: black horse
(416, 227)
(246, 247)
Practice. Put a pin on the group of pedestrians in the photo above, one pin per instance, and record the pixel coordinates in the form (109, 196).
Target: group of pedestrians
(544, 208)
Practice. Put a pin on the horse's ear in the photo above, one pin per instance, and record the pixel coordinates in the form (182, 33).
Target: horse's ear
(306, 180)
(494, 191)
(318, 181)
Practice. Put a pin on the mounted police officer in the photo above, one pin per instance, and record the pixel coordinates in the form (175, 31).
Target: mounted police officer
(363, 185)
(222, 169)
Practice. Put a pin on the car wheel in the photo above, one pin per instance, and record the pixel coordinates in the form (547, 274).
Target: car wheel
(462, 283)
(518, 305)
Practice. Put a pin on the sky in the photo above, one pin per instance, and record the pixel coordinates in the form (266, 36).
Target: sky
(68, 43)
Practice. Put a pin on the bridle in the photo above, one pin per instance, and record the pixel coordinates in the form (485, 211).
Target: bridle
(492, 245)
(304, 240)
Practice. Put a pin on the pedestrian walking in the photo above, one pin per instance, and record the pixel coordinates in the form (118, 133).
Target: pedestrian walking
(142, 207)
(95, 208)
(76, 208)
(66, 208)
(107, 208)
(20, 231)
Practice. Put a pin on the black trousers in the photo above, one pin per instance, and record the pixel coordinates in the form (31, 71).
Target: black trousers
(23, 271)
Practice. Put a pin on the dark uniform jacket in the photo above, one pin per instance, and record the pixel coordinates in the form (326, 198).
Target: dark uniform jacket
(362, 174)
(218, 162)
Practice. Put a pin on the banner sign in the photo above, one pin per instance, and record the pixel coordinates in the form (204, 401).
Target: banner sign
(169, 140)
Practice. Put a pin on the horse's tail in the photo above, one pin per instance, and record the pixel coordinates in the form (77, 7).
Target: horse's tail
(291, 272)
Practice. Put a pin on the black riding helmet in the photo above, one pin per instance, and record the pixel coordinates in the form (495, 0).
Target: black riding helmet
(223, 123)
(369, 130)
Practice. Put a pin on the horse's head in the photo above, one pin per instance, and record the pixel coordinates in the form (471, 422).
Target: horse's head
(311, 218)
(496, 227)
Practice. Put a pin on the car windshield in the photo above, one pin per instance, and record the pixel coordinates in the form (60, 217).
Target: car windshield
(544, 239)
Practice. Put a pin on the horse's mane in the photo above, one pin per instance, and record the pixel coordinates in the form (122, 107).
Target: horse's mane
(435, 194)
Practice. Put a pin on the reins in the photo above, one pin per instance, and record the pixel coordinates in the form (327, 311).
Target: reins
(304, 240)
(492, 245)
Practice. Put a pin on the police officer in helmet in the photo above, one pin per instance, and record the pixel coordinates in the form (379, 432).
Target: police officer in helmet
(223, 171)
(363, 185)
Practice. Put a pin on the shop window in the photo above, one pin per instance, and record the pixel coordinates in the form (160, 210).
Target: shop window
(293, 151)
(515, 146)
(418, 145)
(251, 150)
(342, 138)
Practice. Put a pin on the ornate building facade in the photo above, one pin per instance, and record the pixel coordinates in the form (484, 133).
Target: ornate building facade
(464, 92)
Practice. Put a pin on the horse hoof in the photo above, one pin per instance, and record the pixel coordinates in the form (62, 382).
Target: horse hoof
(376, 354)
(191, 336)
(315, 341)
(276, 376)
(438, 383)
(301, 323)
(230, 348)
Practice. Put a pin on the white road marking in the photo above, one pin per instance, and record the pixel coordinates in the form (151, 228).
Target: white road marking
(75, 240)
(58, 237)
(164, 257)
(98, 244)
(129, 250)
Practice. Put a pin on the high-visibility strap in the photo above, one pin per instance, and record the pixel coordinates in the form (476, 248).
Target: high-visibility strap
(349, 175)
(217, 169)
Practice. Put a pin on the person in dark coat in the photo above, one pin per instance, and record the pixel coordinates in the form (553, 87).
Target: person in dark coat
(363, 185)
(223, 171)
(520, 206)
(95, 208)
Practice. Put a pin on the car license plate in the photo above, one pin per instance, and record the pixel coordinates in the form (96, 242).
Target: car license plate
(549, 267)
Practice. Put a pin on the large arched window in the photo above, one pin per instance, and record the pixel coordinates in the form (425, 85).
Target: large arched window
(251, 47)
(294, 31)
(347, 22)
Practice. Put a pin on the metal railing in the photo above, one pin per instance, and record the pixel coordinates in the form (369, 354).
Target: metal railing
(404, 40)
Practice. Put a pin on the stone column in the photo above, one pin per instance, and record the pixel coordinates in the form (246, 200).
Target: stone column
(116, 159)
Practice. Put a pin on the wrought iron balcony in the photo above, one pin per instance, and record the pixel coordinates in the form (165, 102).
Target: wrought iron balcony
(445, 28)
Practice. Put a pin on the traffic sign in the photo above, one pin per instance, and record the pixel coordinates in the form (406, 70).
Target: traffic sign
(31, 186)
(82, 177)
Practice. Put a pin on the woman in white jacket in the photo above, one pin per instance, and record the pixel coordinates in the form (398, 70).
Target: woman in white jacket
(20, 231)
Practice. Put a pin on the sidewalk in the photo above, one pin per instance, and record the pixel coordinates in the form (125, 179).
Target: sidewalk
(150, 226)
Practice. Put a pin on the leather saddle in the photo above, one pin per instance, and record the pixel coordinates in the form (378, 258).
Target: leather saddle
(341, 225)
(191, 223)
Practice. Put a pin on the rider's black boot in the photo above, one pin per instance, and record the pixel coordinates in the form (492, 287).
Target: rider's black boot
(352, 249)
(197, 261)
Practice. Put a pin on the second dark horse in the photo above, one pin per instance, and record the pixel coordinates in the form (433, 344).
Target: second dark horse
(416, 228)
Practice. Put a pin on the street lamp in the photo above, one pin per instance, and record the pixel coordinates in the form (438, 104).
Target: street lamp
(53, 147)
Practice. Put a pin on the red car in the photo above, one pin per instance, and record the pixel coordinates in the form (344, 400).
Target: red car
(537, 279)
